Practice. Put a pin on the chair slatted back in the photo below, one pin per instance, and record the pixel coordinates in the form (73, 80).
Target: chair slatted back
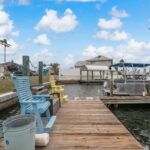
(52, 81)
(22, 86)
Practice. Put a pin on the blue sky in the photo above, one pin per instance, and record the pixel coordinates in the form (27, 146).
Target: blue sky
(66, 31)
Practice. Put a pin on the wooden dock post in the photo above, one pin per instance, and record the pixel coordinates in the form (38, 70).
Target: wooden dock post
(111, 83)
(80, 74)
(87, 75)
(148, 88)
(103, 74)
(40, 72)
(92, 75)
(26, 67)
(100, 75)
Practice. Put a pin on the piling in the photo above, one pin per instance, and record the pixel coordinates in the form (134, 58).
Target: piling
(40, 72)
(26, 68)
(111, 83)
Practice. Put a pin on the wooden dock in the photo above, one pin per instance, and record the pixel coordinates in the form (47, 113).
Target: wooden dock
(126, 99)
(87, 124)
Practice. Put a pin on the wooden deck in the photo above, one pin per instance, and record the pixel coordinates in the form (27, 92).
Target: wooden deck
(126, 99)
(87, 124)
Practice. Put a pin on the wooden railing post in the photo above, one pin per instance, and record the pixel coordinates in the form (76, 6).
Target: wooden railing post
(80, 74)
(148, 88)
(26, 67)
(40, 72)
(111, 83)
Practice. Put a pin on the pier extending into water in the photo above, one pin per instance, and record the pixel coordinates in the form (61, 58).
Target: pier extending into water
(86, 123)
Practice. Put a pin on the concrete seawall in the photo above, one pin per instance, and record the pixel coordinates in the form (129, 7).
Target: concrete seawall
(8, 100)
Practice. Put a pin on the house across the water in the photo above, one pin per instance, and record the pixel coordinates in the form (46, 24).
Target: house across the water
(96, 61)
(91, 69)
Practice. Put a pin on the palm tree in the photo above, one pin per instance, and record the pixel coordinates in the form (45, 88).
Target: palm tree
(5, 43)
(55, 68)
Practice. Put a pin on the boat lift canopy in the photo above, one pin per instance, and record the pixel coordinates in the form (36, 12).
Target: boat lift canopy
(139, 65)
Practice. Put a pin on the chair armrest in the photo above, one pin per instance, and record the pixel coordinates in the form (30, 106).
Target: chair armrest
(40, 96)
(31, 102)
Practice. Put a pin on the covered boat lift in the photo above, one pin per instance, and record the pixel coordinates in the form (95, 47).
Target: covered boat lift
(94, 68)
(134, 82)
(136, 75)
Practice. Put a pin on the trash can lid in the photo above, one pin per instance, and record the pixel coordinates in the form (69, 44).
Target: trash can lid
(18, 121)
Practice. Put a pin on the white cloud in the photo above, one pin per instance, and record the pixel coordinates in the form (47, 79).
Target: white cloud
(92, 51)
(132, 51)
(44, 55)
(69, 59)
(24, 2)
(51, 21)
(107, 31)
(6, 24)
(112, 35)
(113, 23)
(12, 49)
(118, 13)
(42, 40)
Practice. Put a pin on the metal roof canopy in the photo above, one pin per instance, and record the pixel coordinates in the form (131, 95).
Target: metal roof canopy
(139, 65)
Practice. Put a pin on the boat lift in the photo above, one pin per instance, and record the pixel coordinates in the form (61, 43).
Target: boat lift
(133, 81)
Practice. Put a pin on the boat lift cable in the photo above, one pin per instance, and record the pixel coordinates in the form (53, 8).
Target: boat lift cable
(32, 64)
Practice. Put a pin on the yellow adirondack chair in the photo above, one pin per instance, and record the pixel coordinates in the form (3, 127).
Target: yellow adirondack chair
(57, 88)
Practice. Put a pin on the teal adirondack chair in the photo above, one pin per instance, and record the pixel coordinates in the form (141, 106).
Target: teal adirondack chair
(33, 104)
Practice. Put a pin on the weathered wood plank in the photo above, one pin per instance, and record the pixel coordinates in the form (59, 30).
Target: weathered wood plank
(59, 142)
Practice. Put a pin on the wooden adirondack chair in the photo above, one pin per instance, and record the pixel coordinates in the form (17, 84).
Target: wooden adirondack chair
(33, 104)
(57, 88)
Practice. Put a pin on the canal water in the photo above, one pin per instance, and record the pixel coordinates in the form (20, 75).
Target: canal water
(136, 118)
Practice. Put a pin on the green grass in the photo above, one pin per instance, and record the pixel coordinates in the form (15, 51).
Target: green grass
(7, 85)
